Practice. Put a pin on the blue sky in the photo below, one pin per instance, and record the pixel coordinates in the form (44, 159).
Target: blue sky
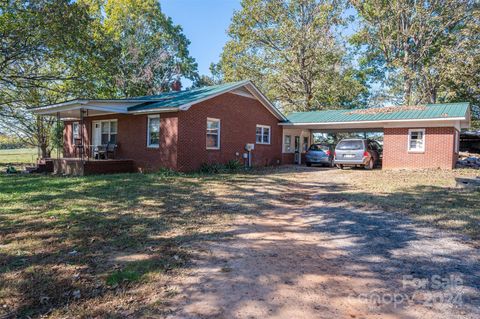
(204, 23)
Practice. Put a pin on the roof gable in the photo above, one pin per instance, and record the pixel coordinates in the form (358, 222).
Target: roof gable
(183, 100)
(165, 102)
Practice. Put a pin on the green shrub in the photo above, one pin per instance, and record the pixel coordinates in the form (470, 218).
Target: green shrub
(167, 172)
(215, 168)
(233, 165)
(211, 168)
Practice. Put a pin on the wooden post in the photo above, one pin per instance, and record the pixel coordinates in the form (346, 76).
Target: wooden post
(82, 139)
(58, 123)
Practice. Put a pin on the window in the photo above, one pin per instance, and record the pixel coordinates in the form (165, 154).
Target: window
(288, 143)
(416, 140)
(319, 147)
(263, 134)
(351, 145)
(75, 131)
(108, 132)
(213, 134)
(153, 131)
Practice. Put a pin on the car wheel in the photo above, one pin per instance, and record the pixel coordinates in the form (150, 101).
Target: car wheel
(309, 164)
(370, 165)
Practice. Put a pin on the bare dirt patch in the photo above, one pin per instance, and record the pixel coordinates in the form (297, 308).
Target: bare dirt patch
(286, 242)
(327, 259)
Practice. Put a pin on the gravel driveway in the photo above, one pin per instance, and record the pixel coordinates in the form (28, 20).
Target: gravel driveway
(328, 260)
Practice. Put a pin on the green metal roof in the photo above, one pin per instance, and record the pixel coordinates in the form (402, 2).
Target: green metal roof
(177, 99)
(428, 111)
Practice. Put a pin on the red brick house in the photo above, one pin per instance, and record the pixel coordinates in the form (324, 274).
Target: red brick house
(179, 130)
(182, 130)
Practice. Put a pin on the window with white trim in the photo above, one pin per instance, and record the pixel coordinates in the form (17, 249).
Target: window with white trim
(213, 134)
(75, 131)
(263, 134)
(153, 131)
(287, 143)
(416, 140)
(108, 132)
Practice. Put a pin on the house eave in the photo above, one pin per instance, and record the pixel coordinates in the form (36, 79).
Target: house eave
(380, 122)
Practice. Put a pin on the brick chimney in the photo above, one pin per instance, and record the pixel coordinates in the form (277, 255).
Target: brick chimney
(176, 85)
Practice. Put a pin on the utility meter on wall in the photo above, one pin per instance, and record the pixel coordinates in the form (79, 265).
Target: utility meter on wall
(249, 147)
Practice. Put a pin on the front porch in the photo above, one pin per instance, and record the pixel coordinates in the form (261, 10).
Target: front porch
(81, 167)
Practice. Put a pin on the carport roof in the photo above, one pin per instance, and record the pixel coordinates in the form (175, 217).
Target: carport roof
(382, 114)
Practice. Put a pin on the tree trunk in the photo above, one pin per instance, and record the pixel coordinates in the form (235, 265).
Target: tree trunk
(433, 95)
(407, 90)
(44, 150)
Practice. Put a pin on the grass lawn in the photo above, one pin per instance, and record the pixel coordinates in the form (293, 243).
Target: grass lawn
(428, 196)
(106, 246)
(19, 158)
(100, 246)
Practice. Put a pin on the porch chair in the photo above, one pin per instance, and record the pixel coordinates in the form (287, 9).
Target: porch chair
(110, 149)
(78, 147)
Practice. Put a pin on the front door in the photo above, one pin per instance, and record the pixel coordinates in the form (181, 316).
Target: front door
(298, 153)
(96, 133)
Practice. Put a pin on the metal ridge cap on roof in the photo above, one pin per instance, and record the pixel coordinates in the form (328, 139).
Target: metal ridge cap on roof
(458, 118)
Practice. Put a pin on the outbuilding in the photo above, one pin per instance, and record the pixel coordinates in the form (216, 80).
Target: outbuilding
(419, 136)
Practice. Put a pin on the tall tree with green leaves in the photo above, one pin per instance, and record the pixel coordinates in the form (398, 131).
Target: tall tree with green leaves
(292, 50)
(42, 46)
(431, 45)
(152, 50)
(53, 50)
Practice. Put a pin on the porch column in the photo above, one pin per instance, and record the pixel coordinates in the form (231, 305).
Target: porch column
(56, 132)
(82, 139)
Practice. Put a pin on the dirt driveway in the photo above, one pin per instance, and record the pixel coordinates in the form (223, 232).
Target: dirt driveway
(322, 259)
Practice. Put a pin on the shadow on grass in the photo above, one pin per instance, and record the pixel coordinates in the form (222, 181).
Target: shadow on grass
(60, 235)
(49, 222)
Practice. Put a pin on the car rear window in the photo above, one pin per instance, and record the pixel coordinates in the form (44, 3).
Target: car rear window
(319, 147)
(350, 145)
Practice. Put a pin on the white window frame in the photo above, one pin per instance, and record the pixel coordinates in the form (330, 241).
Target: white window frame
(154, 116)
(285, 149)
(210, 119)
(410, 131)
(73, 132)
(109, 129)
(269, 134)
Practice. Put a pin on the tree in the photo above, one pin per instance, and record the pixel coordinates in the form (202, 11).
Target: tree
(424, 42)
(153, 52)
(53, 50)
(291, 49)
(42, 44)
(215, 79)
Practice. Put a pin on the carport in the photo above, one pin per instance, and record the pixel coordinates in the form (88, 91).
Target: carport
(421, 136)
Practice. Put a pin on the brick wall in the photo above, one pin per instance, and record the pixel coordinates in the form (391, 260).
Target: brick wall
(132, 140)
(439, 149)
(238, 116)
(183, 135)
